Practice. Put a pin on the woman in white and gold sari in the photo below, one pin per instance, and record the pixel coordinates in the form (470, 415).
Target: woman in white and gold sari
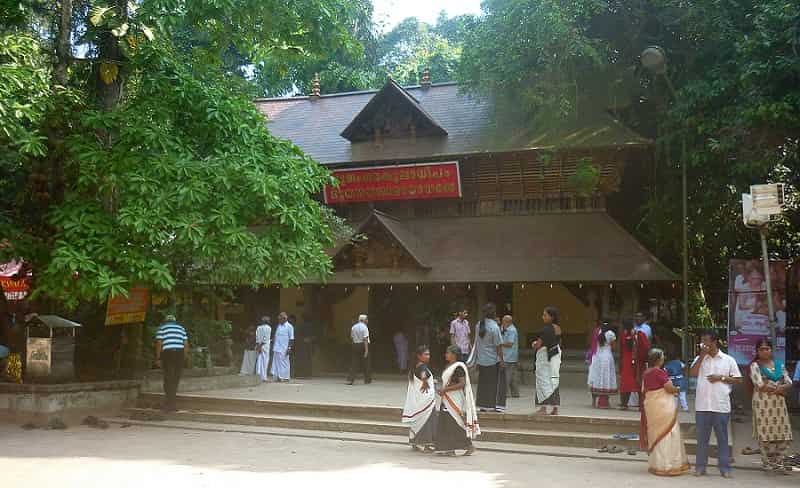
(660, 428)
(458, 416)
(419, 411)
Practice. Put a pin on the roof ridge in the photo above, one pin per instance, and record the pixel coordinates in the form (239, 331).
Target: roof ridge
(351, 93)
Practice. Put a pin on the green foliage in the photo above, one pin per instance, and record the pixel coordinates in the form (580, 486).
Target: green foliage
(586, 178)
(532, 54)
(736, 70)
(176, 180)
(24, 93)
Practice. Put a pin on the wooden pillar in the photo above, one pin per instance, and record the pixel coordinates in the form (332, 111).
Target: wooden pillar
(605, 300)
(634, 297)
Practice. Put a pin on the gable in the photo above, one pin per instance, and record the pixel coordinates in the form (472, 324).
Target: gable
(392, 113)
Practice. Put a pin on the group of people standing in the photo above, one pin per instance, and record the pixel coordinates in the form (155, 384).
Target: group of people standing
(268, 352)
(445, 419)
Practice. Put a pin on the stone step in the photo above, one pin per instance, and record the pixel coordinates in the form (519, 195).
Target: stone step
(529, 437)
(561, 423)
(155, 383)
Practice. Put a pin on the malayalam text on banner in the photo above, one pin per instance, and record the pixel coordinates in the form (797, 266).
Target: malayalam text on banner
(403, 182)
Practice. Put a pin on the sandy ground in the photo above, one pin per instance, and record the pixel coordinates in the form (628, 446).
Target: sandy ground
(151, 457)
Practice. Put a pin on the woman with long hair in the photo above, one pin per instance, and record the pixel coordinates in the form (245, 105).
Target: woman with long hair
(771, 425)
(488, 354)
(602, 370)
(660, 428)
(419, 410)
(547, 348)
(458, 417)
(634, 347)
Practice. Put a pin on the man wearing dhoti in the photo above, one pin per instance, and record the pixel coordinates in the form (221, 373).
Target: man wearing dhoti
(263, 332)
(282, 348)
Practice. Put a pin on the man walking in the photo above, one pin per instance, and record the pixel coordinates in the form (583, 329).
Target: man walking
(263, 334)
(460, 334)
(510, 354)
(172, 345)
(282, 349)
(715, 372)
(359, 334)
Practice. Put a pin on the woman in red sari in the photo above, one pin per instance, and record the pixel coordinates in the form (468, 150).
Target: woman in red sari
(660, 428)
(634, 347)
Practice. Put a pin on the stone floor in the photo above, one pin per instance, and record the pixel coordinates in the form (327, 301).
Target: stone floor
(138, 457)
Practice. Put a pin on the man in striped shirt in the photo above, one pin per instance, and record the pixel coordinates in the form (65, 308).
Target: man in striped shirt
(172, 345)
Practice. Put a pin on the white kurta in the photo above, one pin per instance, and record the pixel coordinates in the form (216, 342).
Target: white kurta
(284, 334)
(263, 339)
(248, 363)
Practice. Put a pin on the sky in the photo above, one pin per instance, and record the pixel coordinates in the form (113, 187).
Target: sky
(391, 12)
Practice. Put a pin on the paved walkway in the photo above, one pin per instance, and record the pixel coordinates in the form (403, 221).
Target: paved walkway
(391, 391)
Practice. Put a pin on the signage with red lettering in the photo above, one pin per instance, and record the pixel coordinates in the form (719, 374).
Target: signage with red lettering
(130, 310)
(403, 182)
(15, 289)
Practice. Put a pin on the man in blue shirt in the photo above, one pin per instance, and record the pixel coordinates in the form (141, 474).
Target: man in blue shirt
(172, 346)
(510, 354)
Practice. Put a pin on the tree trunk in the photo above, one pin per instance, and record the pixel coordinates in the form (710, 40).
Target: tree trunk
(109, 88)
(63, 52)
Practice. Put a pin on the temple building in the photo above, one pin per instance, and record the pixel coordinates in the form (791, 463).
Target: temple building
(452, 207)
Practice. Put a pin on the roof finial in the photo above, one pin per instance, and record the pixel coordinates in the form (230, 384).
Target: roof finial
(426, 78)
(315, 86)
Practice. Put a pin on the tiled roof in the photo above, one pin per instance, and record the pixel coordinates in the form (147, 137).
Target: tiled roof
(316, 124)
(574, 247)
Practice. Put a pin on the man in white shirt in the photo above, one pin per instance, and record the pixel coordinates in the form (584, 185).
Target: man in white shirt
(359, 335)
(263, 333)
(282, 349)
(715, 372)
(640, 319)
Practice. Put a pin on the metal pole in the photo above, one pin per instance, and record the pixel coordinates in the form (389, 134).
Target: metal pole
(685, 203)
(765, 256)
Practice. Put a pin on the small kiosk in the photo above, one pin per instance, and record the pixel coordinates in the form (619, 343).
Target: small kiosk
(49, 348)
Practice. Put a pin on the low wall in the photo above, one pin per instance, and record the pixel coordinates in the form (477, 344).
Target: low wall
(69, 402)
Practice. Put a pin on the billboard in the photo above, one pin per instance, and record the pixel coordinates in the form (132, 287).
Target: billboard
(130, 310)
(401, 182)
(748, 310)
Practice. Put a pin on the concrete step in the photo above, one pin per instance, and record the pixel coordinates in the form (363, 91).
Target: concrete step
(155, 383)
(561, 423)
(529, 436)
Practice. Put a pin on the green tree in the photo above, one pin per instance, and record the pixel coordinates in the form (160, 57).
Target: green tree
(146, 163)
(735, 68)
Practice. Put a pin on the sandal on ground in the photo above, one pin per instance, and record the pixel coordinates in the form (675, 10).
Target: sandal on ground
(631, 452)
(615, 450)
(429, 449)
(603, 449)
(748, 451)
(470, 451)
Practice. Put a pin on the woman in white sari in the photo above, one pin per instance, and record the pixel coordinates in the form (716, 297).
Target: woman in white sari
(548, 363)
(419, 412)
(458, 417)
(660, 428)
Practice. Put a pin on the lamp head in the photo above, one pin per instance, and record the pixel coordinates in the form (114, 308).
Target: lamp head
(654, 59)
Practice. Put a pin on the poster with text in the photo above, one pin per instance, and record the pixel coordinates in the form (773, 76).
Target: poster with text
(748, 309)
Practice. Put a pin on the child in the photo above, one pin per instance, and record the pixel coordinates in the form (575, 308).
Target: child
(675, 369)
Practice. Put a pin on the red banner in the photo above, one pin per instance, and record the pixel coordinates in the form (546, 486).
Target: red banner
(15, 289)
(404, 182)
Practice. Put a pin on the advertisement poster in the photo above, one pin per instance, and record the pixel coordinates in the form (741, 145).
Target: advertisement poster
(748, 310)
(130, 310)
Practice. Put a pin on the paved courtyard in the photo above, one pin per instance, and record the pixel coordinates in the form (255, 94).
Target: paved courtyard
(153, 457)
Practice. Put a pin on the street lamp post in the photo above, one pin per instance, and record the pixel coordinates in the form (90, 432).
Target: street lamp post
(654, 59)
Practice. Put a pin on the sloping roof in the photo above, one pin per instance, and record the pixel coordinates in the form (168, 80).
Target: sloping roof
(315, 125)
(576, 247)
(390, 91)
(393, 226)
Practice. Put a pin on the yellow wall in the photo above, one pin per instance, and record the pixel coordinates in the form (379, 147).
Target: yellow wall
(530, 301)
(345, 313)
(292, 301)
